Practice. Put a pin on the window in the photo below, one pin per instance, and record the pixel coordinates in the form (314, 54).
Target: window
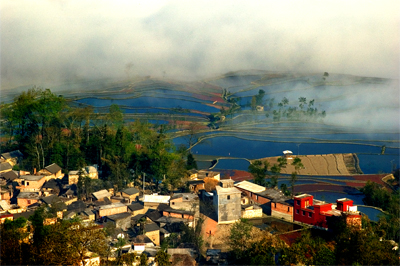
(275, 205)
(183, 216)
(288, 209)
(297, 211)
(309, 214)
(229, 197)
(304, 213)
(27, 183)
(173, 203)
(29, 201)
(298, 202)
(256, 197)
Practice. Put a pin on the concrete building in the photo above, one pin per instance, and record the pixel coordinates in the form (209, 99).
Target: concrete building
(111, 209)
(52, 171)
(185, 201)
(120, 220)
(226, 201)
(272, 201)
(154, 200)
(320, 213)
(31, 183)
(130, 194)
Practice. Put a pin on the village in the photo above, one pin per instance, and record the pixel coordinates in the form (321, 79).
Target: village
(142, 220)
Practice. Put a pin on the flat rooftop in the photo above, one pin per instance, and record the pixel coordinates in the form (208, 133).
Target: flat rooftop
(246, 185)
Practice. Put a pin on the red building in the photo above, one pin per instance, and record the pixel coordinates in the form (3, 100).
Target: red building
(318, 213)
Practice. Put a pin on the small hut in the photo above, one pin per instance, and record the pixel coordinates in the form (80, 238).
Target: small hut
(288, 154)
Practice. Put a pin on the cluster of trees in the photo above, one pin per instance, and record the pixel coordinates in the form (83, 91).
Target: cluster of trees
(261, 170)
(345, 246)
(66, 242)
(389, 222)
(50, 129)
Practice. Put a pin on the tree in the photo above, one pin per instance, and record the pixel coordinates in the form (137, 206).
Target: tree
(253, 103)
(293, 177)
(259, 170)
(191, 162)
(162, 258)
(143, 259)
(239, 237)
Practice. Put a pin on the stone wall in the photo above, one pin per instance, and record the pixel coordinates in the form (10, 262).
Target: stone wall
(254, 213)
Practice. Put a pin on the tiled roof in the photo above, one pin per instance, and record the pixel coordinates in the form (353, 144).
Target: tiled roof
(130, 191)
(32, 177)
(151, 227)
(135, 206)
(101, 194)
(119, 216)
(9, 176)
(28, 195)
(53, 168)
(5, 166)
(12, 154)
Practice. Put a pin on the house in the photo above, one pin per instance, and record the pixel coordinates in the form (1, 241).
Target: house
(100, 195)
(226, 201)
(177, 213)
(185, 201)
(110, 209)
(25, 199)
(4, 206)
(52, 171)
(195, 185)
(288, 154)
(136, 208)
(272, 201)
(120, 220)
(152, 231)
(130, 194)
(140, 243)
(54, 201)
(31, 183)
(6, 194)
(201, 174)
(152, 201)
(320, 213)
(282, 207)
(12, 157)
(73, 177)
(89, 171)
(50, 187)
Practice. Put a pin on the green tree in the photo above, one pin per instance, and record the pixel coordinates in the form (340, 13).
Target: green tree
(143, 259)
(239, 238)
(259, 171)
(162, 258)
(293, 177)
(191, 162)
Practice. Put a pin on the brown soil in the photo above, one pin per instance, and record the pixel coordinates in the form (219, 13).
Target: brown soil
(325, 164)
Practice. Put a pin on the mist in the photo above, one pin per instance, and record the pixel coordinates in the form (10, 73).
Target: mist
(47, 42)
